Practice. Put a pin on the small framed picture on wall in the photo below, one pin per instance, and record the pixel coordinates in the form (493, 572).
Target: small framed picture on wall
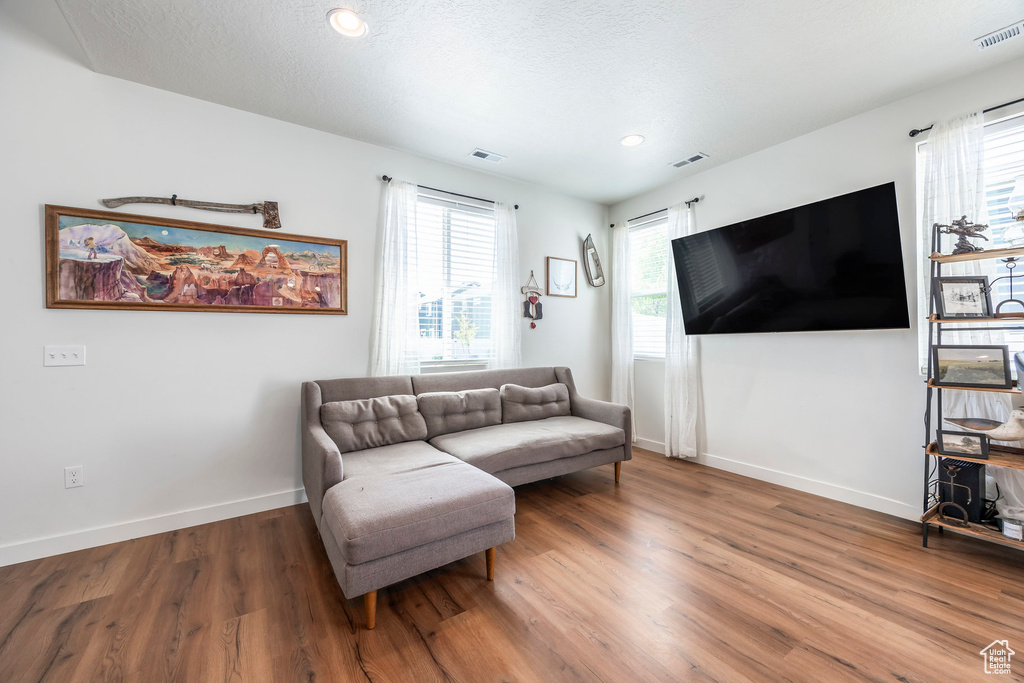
(561, 277)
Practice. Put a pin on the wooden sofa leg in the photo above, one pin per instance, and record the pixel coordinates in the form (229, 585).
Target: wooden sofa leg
(370, 603)
(490, 564)
(618, 471)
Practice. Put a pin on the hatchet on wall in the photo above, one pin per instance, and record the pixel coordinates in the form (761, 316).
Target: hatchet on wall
(271, 217)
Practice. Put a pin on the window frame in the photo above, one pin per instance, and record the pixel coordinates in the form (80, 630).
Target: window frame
(449, 203)
(654, 221)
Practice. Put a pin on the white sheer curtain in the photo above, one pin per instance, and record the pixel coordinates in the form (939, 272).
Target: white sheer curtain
(623, 384)
(506, 328)
(684, 414)
(953, 187)
(395, 331)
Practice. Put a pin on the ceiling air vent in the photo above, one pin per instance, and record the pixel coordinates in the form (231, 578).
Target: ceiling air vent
(1003, 34)
(487, 156)
(690, 160)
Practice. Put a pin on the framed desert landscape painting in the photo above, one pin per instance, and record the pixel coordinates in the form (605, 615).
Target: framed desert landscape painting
(103, 259)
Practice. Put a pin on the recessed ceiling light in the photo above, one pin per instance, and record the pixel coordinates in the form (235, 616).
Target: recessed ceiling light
(346, 22)
(631, 140)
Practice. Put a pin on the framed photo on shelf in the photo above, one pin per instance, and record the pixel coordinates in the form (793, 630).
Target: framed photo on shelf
(967, 444)
(962, 297)
(561, 277)
(975, 367)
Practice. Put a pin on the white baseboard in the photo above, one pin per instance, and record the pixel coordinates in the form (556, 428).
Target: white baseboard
(648, 445)
(91, 538)
(862, 499)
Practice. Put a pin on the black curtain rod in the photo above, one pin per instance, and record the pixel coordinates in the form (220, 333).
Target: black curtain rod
(687, 202)
(917, 131)
(388, 179)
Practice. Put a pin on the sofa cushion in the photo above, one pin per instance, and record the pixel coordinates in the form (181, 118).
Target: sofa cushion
(393, 459)
(374, 516)
(519, 404)
(372, 422)
(456, 411)
(504, 446)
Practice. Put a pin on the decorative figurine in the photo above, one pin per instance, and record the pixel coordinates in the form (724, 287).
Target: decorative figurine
(964, 228)
(1011, 430)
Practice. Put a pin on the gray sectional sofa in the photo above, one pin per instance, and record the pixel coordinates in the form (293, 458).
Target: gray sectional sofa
(406, 474)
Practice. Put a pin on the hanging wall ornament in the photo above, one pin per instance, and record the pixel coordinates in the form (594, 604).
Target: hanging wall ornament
(592, 263)
(532, 307)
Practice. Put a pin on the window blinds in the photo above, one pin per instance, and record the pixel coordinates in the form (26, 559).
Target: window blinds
(454, 257)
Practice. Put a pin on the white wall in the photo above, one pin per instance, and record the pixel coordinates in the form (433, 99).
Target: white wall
(182, 418)
(839, 414)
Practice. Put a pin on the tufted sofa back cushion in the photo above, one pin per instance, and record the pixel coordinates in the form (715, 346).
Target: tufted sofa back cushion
(456, 411)
(520, 404)
(372, 422)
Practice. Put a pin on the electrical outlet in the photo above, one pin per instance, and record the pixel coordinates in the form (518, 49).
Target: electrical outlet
(74, 477)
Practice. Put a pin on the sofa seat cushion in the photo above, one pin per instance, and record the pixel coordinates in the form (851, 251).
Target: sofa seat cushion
(393, 459)
(504, 446)
(372, 516)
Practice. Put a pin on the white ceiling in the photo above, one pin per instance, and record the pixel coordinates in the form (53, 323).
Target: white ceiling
(551, 84)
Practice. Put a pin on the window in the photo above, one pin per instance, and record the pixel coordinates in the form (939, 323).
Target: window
(1003, 167)
(649, 269)
(454, 254)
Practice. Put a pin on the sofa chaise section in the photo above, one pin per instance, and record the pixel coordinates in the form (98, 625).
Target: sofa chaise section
(392, 511)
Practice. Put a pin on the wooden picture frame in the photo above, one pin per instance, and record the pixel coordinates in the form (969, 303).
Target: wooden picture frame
(120, 261)
(559, 280)
(971, 366)
(946, 444)
(962, 297)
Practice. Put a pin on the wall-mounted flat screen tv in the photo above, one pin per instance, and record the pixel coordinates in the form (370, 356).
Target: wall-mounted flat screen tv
(836, 264)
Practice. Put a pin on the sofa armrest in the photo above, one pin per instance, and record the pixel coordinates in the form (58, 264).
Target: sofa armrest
(608, 413)
(321, 459)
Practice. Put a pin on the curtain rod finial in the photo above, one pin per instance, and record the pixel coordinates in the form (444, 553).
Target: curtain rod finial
(386, 178)
(516, 206)
(914, 133)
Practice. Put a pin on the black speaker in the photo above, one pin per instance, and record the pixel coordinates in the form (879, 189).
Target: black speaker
(962, 483)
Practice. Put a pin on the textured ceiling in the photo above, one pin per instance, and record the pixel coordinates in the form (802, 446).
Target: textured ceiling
(552, 85)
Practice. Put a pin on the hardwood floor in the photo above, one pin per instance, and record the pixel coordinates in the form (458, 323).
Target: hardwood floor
(680, 573)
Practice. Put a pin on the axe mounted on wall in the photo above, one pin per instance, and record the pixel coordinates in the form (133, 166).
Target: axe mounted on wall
(271, 218)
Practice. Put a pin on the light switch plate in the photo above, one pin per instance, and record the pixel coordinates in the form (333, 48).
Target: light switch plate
(56, 356)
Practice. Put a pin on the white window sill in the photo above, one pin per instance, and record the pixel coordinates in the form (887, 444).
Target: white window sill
(452, 366)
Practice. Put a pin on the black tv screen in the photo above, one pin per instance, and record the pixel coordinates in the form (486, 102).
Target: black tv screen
(836, 264)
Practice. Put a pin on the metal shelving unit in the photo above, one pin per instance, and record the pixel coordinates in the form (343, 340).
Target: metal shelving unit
(999, 456)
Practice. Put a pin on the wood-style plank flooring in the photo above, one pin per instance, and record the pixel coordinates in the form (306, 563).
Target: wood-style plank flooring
(680, 573)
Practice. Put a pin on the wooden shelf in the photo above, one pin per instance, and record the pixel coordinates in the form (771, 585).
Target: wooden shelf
(976, 530)
(999, 456)
(1012, 390)
(977, 255)
(933, 318)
